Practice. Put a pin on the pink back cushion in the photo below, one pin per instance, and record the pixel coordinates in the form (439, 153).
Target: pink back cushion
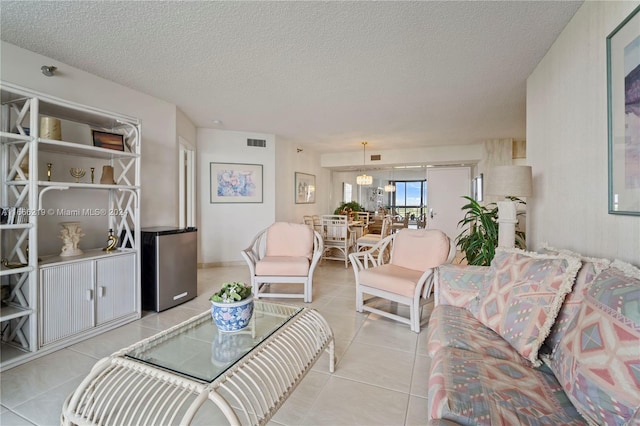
(289, 239)
(420, 249)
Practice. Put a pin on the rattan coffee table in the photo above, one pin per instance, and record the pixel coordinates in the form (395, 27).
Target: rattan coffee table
(167, 378)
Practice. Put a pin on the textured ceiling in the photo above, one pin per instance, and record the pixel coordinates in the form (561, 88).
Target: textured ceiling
(323, 74)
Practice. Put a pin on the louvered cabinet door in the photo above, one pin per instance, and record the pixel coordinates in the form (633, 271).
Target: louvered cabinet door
(115, 287)
(66, 300)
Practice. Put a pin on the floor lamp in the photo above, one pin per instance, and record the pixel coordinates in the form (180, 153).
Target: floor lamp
(508, 181)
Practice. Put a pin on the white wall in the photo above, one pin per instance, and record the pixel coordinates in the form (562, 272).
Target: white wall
(434, 155)
(225, 229)
(289, 161)
(159, 192)
(567, 142)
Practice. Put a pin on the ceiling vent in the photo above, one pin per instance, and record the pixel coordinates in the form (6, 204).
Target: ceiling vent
(376, 157)
(262, 143)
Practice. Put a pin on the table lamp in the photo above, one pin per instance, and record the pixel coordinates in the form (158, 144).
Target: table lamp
(508, 181)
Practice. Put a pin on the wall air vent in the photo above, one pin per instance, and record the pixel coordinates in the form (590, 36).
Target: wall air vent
(376, 157)
(262, 143)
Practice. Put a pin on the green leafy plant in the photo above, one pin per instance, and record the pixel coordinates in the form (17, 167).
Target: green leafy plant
(231, 293)
(479, 238)
(351, 206)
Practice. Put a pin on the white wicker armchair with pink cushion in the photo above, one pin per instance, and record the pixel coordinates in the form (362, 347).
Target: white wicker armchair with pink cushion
(284, 253)
(407, 278)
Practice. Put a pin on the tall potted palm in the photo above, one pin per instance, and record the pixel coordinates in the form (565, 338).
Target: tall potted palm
(479, 237)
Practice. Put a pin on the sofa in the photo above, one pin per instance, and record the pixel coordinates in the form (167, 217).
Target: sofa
(549, 338)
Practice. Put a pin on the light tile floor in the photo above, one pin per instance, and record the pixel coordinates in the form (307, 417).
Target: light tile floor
(380, 378)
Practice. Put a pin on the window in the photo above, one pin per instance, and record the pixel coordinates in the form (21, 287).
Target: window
(410, 198)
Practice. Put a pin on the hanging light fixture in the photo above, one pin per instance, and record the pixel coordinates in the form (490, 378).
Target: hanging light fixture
(364, 179)
(390, 187)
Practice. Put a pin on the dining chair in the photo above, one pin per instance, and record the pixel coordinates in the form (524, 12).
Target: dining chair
(370, 240)
(284, 253)
(406, 277)
(364, 217)
(338, 241)
(317, 224)
(308, 220)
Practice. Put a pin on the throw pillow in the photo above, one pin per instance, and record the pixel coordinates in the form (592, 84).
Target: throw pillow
(523, 296)
(591, 267)
(599, 356)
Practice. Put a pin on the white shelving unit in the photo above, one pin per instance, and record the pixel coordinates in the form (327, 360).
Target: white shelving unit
(49, 301)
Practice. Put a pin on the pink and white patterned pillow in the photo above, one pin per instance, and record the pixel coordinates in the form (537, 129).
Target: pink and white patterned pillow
(591, 268)
(523, 297)
(597, 361)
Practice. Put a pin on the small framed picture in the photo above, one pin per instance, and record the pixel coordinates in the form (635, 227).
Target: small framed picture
(106, 140)
(305, 188)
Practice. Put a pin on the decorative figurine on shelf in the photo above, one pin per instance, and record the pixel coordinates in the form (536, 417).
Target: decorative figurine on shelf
(77, 173)
(49, 166)
(107, 176)
(70, 234)
(93, 169)
(112, 240)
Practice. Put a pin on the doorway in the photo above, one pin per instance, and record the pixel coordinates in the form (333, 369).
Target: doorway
(186, 182)
(446, 187)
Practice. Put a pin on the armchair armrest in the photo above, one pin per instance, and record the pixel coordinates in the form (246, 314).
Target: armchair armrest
(459, 285)
(254, 252)
(375, 256)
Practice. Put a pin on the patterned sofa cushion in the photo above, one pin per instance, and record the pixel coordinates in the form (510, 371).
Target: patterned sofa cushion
(597, 361)
(459, 285)
(450, 326)
(473, 389)
(523, 296)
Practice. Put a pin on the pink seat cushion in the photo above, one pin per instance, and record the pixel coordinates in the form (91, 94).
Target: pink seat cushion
(290, 239)
(391, 278)
(289, 266)
(420, 249)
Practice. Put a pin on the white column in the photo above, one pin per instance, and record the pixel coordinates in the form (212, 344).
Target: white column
(507, 224)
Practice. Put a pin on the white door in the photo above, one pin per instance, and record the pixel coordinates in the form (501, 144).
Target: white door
(445, 188)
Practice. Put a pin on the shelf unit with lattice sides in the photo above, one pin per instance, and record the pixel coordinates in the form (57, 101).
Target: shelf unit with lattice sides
(50, 300)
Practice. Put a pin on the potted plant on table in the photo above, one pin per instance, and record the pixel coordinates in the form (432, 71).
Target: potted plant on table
(232, 306)
(349, 209)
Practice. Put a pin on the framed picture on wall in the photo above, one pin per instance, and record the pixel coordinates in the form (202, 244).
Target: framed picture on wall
(623, 95)
(235, 183)
(347, 191)
(305, 188)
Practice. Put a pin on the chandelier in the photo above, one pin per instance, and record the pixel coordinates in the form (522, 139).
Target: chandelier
(390, 187)
(364, 179)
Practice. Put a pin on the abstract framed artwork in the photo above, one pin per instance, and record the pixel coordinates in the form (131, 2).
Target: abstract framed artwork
(623, 95)
(108, 140)
(305, 188)
(235, 183)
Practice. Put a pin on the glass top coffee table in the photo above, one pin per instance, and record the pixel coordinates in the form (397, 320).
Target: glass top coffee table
(167, 378)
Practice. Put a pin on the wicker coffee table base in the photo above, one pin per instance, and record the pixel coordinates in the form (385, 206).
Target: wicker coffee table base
(121, 391)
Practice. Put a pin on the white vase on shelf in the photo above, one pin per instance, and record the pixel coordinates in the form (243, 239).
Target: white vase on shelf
(70, 234)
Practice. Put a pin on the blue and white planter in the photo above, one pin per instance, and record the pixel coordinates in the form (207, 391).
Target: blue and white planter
(232, 316)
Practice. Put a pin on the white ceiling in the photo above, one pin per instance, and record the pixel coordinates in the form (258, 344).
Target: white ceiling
(323, 74)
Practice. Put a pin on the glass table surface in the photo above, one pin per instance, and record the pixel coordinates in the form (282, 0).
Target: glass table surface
(197, 349)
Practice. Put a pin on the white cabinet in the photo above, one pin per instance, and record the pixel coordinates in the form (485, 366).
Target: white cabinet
(48, 301)
(66, 300)
(115, 285)
(86, 294)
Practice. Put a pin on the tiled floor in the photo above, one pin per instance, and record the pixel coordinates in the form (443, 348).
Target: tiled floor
(380, 377)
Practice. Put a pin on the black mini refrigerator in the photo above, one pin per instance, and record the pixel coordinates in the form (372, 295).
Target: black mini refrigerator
(169, 267)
